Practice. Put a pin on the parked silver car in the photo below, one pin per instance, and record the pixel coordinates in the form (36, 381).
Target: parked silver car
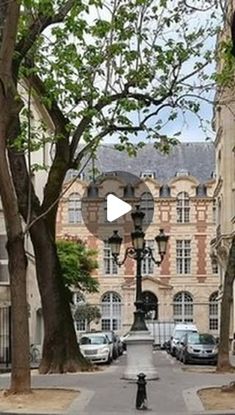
(96, 347)
(199, 348)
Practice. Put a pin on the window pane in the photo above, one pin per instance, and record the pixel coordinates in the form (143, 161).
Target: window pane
(111, 311)
(183, 307)
(109, 265)
(183, 256)
(183, 208)
(4, 273)
(80, 325)
(147, 206)
(213, 312)
(147, 263)
(74, 209)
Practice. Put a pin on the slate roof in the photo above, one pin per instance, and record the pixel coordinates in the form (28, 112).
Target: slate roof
(197, 158)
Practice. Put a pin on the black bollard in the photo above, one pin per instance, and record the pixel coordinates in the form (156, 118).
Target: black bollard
(141, 397)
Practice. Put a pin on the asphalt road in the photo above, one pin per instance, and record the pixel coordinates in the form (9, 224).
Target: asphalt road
(104, 393)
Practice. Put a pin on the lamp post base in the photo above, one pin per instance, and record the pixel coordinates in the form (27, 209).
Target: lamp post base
(140, 356)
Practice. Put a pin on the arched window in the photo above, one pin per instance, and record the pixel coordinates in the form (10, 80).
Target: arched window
(150, 305)
(213, 312)
(183, 307)
(147, 206)
(74, 208)
(111, 311)
(183, 208)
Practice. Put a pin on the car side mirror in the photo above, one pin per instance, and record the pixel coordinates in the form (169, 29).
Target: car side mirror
(171, 337)
(110, 342)
(182, 343)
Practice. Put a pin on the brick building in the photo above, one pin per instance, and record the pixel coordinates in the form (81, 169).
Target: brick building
(181, 188)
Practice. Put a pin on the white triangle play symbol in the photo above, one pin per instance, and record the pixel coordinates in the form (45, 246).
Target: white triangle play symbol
(116, 208)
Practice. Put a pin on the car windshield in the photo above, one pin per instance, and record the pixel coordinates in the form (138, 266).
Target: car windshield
(201, 339)
(93, 340)
(180, 333)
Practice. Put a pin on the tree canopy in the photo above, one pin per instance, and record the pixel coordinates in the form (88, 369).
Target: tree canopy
(117, 69)
(77, 263)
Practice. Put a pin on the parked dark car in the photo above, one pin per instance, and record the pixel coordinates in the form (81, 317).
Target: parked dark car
(198, 348)
(114, 340)
(120, 346)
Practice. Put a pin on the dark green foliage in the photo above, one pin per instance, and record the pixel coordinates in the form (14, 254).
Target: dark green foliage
(77, 263)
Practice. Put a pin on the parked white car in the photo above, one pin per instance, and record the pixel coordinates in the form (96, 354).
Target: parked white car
(179, 331)
(96, 347)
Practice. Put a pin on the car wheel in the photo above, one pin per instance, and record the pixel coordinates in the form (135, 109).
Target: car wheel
(109, 359)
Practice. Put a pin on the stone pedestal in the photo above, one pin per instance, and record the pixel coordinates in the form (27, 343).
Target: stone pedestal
(140, 356)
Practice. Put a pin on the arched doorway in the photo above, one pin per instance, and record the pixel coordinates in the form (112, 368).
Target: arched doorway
(150, 305)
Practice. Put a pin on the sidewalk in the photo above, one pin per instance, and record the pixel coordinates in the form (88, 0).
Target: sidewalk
(106, 393)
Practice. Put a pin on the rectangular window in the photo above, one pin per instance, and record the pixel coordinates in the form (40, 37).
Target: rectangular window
(183, 256)
(80, 325)
(105, 324)
(4, 273)
(213, 323)
(147, 263)
(214, 211)
(215, 268)
(213, 315)
(110, 268)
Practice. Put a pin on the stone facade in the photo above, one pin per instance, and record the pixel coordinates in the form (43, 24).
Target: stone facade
(183, 285)
(42, 158)
(224, 125)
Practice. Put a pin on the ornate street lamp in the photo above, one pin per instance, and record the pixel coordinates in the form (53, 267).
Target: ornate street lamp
(138, 251)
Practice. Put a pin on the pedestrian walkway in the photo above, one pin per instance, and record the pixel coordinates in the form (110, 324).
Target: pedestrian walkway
(107, 393)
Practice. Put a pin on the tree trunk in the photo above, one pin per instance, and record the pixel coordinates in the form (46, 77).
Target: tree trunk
(223, 357)
(60, 349)
(20, 374)
(9, 108)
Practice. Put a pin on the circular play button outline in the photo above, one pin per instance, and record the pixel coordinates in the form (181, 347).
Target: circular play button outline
(108, 201)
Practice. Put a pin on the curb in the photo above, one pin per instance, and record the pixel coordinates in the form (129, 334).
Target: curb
(77, 405)
(195, 405)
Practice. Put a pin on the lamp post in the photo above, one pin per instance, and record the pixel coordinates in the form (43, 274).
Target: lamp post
(138, 251)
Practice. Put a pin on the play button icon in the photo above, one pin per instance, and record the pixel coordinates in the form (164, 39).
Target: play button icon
(116, 207)
(108, 200)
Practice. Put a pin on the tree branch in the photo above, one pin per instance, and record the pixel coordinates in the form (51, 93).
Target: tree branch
(37, 27)
(9, 38)
(57, 116)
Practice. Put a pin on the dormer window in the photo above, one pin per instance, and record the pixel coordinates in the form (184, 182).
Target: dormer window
(182, 172)
(147, 174)
(201, 190)
(165, 191)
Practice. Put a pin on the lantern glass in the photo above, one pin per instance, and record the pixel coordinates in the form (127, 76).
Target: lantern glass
(137, 217)
(115, 242)
(138, 239)
(162, 240)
